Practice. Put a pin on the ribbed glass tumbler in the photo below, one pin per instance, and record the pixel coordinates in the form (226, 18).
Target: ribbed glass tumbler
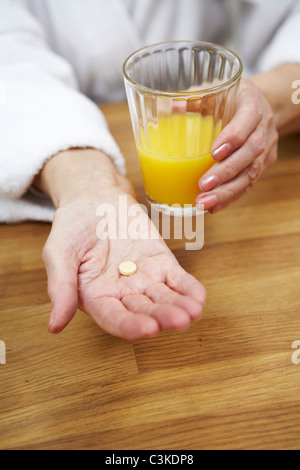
(180, 95)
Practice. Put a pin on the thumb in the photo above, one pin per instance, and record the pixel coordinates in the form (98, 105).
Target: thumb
(62, 287)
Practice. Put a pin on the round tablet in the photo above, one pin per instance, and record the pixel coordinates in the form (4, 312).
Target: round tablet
(127, 268)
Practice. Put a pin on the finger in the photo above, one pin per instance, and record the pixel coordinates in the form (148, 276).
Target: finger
(248, 115)
(222, 206)
(266, 161)
(161, 294)
(228, 169)
(62, 288)
(114, 318)
(167, 316)
(230, 192)
(187, 285)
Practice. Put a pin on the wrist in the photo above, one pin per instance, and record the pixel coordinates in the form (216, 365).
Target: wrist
(276, 86)
(78, 175)
(267, 85)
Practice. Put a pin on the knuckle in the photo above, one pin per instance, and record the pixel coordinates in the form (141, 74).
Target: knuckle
(257, 109)
(225, 197)
(254, 171)
(259, 143)
(229, 172)
(230, 195)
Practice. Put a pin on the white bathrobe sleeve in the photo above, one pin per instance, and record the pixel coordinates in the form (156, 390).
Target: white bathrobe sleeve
(41, 113)
(285, 45)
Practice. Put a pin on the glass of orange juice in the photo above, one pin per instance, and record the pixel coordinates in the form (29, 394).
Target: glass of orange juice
(181, 94)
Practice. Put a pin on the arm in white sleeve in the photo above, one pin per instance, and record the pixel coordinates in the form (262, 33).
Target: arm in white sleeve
(284, 47)
(41, 109)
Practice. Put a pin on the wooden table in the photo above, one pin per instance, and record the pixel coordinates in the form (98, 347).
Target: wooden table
(226, 383)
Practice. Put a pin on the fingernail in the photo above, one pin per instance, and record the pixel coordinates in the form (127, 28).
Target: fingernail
(222, 152)
(207, 201)
(209, 183)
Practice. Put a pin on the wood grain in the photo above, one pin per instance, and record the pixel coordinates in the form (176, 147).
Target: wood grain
(226, 383)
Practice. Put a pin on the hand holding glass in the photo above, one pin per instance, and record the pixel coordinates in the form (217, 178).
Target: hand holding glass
(180, 95)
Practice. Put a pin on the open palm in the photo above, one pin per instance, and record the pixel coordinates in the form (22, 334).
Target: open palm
(83, 271)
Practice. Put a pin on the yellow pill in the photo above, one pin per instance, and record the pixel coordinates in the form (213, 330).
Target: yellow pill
(127, 268)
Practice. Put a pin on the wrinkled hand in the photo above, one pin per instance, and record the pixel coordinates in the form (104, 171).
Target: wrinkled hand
(244, 150)
(83, 272)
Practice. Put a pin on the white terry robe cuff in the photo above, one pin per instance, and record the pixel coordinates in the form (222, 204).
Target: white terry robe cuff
(41, 117)
(29, 207)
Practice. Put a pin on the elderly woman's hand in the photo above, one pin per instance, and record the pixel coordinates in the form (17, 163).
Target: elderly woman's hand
(244, 150)
(82, 262)
(83, 271)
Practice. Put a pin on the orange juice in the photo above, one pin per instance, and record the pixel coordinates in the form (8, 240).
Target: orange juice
(175, 154)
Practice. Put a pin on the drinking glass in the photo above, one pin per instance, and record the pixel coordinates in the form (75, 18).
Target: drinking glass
(181, 94)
